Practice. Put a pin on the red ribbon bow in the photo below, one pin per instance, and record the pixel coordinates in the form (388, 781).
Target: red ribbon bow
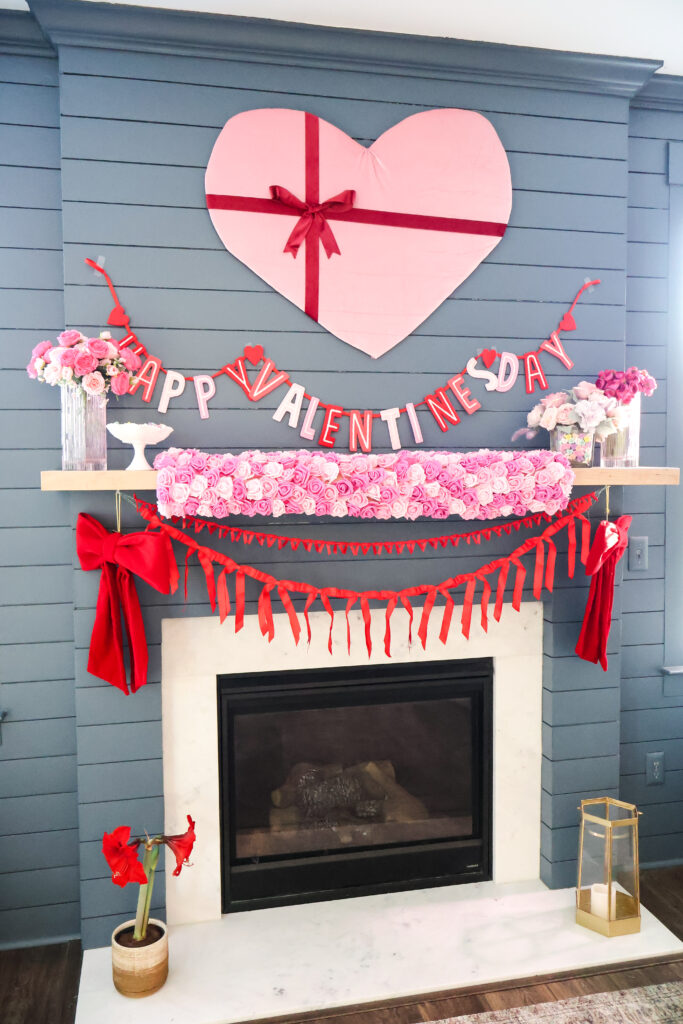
(313, 218)
(120, 557)
(609, 543)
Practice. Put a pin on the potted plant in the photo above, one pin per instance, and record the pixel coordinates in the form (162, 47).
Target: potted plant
(139, 947)
(575, 419)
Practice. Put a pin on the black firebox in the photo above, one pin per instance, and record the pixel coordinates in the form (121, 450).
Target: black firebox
(349, 781)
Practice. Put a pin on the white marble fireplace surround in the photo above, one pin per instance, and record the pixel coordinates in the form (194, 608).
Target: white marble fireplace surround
(196, 650)
(259, 965)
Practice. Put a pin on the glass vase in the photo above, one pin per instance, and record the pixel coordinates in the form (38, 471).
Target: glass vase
(573, 442)
(623, 447)
(84, 433)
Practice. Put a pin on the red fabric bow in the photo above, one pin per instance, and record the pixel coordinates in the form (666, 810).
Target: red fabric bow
(313, 218)
(120, 557)
(609, 543)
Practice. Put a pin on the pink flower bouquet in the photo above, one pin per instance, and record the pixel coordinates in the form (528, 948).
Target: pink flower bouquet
(95, 365)
(586, 407)
(624, 385)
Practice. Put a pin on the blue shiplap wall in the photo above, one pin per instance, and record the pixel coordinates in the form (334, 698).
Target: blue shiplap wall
(39, 896)
(137, 126)
(652, 708)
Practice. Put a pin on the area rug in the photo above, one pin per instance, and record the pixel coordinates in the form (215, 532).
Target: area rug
(654, 1004)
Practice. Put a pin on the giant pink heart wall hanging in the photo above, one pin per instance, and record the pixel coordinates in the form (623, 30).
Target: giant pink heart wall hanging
(367, 241)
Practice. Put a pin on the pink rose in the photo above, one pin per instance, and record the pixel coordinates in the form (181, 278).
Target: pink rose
(93, 383)
(180, 493)
(120, 383)
(31, 369)
(315, 487)
(129, 359)
(212, 476)
(414, 510)
(228, 463)
(191, 506)
(300, 475)
(263, 507)
(69, 337)
(273, 469)
(285, 489)
(584, 389)
(322, 507)
(440, 512)
(367, 512)
(382, 511)
(84, 363)
(98, 347)
(269, 487)
(41, 348)
(339, 509)
(198, 461)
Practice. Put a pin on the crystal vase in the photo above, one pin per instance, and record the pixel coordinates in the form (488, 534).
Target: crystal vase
(573, 442)
(84, 434)
(623, 447)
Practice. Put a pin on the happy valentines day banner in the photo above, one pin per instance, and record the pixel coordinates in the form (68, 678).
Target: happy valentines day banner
(300, 408)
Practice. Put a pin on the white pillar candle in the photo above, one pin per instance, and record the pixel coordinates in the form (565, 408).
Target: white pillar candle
(599, 901)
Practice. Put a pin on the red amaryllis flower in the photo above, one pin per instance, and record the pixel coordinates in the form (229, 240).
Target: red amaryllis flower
(182, 846)
(122, 857)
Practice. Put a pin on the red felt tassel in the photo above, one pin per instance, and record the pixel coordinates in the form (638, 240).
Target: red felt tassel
(466, 618)
(485, 605)
(447, 617)
(283, 594)
(223, 596)
(500, 590)
(239, 601)
(309, 601)
(426, 612)
(387, 630)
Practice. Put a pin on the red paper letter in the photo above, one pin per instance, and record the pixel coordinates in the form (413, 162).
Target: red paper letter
(148, 376)
(360, 430)
(463, 394)
(330, 426)
(556, 348)
(441, 409)
(237, 371)
(534, 372)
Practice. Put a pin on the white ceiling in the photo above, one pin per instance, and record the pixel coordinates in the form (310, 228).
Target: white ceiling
(630, 28)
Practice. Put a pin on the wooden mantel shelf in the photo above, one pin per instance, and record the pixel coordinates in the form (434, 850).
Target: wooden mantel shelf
(145, 479)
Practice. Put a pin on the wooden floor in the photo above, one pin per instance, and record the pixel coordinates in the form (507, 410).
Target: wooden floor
(40, 985)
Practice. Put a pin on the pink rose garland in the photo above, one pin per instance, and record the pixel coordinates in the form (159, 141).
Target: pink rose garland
(402, 485)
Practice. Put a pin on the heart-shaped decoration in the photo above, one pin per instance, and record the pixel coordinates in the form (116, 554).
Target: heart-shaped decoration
(367, 241)
(488, 357)
(118, 317)
(253, 354)
(567, 323)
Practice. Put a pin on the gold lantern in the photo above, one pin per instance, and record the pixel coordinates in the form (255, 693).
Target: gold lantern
(608, 888)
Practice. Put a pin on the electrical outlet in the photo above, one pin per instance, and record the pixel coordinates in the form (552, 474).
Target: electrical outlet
(654, 768)
(637, 554)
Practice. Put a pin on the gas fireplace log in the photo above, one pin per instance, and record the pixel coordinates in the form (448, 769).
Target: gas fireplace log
(285, 795)
(368, 789)
(399, 804)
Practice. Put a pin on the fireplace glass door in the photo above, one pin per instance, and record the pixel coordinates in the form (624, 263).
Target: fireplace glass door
(342, 782)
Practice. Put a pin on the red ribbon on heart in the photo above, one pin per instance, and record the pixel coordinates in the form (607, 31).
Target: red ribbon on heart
(313, 219)
(609, 543)
(120, 557)
(339, 207)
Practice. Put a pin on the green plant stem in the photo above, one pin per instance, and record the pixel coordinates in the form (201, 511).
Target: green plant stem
(149, 864)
